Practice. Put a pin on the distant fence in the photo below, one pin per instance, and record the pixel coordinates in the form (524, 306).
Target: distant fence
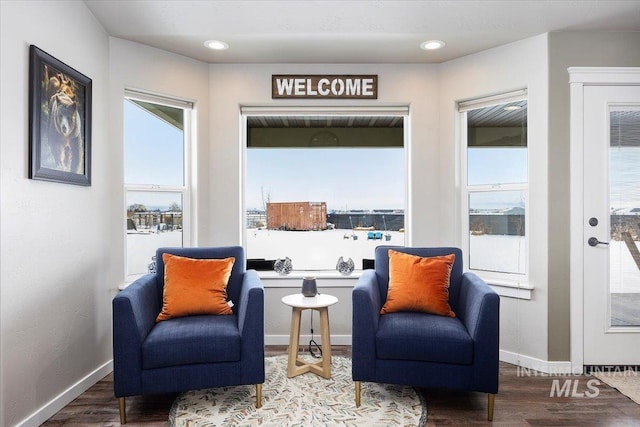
(379, 221)
(503, 225)
(145, 220)
(513, 225)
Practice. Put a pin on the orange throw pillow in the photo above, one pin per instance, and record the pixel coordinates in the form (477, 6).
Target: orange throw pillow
(419, 284)
(194, 286)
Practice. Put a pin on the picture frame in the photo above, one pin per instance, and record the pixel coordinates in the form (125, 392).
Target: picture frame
(59, 121)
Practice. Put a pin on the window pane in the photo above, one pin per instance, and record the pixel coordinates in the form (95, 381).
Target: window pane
(497, 144)
(153, 144)
(496, 165)
(154, 220)
(360, 190)
(624, 205)
(497, 231)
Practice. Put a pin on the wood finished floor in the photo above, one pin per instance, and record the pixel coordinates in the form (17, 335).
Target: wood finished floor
(522, 401)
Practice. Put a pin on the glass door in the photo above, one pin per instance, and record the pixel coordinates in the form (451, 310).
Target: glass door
(624, 205)
(611, 227)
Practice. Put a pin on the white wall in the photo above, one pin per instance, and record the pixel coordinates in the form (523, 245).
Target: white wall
(147, 69)
(56, 239)
(523, 64)
(235, 85)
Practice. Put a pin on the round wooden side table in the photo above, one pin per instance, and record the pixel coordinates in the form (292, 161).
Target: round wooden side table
(299, 303)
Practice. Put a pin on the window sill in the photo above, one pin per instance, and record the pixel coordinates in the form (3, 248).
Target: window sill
(333, 279)
(510, 288)
(326, 278)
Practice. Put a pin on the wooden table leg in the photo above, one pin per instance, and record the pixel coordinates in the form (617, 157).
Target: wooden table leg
(294, 340)
(296, 366)
(326, 342)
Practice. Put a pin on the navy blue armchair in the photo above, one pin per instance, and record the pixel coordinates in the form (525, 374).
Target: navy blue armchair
(421, 349)
(192, 352)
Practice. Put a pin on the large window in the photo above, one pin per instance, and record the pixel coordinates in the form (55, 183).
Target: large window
(495, 184)
(321, 187)
(156, 170)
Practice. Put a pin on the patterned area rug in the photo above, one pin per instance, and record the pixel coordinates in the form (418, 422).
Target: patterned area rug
(305, 400)
(626, 382)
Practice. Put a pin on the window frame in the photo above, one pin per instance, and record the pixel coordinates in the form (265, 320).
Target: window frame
(499, 278)
(400, 110)
(186, 189)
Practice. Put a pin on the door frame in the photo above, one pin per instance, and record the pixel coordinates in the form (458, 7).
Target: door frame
(579, 78)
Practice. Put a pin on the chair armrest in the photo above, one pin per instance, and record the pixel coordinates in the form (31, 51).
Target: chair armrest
(251, 323)
(480, 311)
(134, 314)
(251, 305)
(479, 307)
(366, 314)
(366, 297)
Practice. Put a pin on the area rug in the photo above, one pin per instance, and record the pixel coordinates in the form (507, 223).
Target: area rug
(626, 382)
(304, 400)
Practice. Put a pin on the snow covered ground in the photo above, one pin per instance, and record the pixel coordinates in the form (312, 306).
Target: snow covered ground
(316, 250)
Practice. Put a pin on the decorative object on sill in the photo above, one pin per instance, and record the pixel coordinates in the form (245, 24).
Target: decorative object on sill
(309, 287)
(260, 264)
(283, 266)
(151, 268)
(345, 267)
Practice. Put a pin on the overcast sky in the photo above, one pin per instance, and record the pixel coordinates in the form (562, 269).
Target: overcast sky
(344, 178)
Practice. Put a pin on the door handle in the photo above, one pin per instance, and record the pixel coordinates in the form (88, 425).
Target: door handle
(595, 242)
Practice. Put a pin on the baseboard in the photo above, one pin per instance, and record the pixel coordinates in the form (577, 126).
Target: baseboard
(528, 362)
(66, 397)
(304, 338)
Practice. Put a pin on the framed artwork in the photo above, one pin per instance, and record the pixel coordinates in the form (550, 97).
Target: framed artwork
(59, 121)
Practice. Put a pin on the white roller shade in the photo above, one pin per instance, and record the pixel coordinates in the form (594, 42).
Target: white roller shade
(503, 98)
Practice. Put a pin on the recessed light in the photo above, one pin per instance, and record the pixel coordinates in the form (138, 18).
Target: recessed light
(216, 45)
(432, 45)
(512, 107)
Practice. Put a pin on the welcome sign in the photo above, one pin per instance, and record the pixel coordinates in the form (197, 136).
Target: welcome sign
(349, 86)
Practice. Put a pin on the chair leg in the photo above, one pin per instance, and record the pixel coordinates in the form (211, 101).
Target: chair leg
(357, 383)
(258, 395)
(491, 400)
(123, 410)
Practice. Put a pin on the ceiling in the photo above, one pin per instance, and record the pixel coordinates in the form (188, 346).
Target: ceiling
(349, 31)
